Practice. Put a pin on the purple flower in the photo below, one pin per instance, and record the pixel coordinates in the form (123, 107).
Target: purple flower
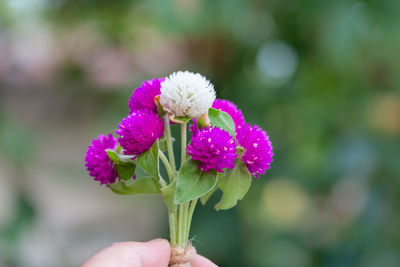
(214, 148)
(193, 128)
(139, 130)
(231, 109)
(99, 165)
(143, 96)
(257, 148)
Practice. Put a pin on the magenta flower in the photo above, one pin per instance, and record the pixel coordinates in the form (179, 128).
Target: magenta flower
(214, 148)
(193, 128)
(138, 131)
(143, 96)
(231, 109)
(257, 148)
(99, 165)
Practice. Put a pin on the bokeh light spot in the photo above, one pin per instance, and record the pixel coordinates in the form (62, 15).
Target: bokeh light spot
(284, 202)
(277, 59)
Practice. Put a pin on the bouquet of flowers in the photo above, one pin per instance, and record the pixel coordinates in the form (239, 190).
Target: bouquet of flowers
(223, 153)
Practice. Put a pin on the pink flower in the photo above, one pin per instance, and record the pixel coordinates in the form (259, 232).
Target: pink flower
(138, 131)
(214, 148)
(99, 165)
(257, 148)
(143, 96)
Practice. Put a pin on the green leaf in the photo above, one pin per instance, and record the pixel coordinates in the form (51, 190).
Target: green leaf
(206, 197)
(234, 185)
(201, 123)
(125, 170)
(125, 167)
(222, 120)
(118, 149)
(168, 193)
(145, 185)
(140, 173)
(118, 157)
(182, 119)
(149, 161)
(192, 182)
(113, 155)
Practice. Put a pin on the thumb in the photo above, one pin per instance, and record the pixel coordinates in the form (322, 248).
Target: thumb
(154, 253)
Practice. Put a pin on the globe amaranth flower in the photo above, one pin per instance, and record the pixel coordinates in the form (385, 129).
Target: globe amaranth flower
(143, 96)
(214, 148)
(187, 94)
(231, 109)
(257, 148)
(138, 131)
(193, 128)
(99, 165)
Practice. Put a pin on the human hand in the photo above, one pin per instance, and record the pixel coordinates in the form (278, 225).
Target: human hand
(155, 253)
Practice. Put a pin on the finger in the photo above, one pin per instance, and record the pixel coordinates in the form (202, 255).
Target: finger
(116, 255)
(133, 254)
(200, 261)
(154, 253)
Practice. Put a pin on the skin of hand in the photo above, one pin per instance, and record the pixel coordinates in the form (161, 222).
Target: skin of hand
(154, 253)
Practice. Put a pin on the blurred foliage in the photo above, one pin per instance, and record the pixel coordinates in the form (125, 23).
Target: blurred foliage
(322, 77)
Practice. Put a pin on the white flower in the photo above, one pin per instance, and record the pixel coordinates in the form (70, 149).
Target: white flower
(187, 94)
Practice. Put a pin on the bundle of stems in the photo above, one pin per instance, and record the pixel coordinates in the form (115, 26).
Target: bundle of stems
(179, 220)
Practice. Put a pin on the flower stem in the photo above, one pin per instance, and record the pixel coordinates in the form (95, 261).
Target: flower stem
(169, 142)
(190, 216)
(183, 143)
(180, 220)
(184, 220)
(184, 223)
(181, 227)
(167, 166)
(183, 208)
(172, 228)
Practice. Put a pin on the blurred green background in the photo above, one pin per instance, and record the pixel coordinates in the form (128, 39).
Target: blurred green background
(321, 77)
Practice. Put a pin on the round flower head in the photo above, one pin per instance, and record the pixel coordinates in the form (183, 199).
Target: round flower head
(214, 148)
(231, 109)
(98, 163)
(257, 148)
(143, 96)
(138, 131)
(187, 94)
